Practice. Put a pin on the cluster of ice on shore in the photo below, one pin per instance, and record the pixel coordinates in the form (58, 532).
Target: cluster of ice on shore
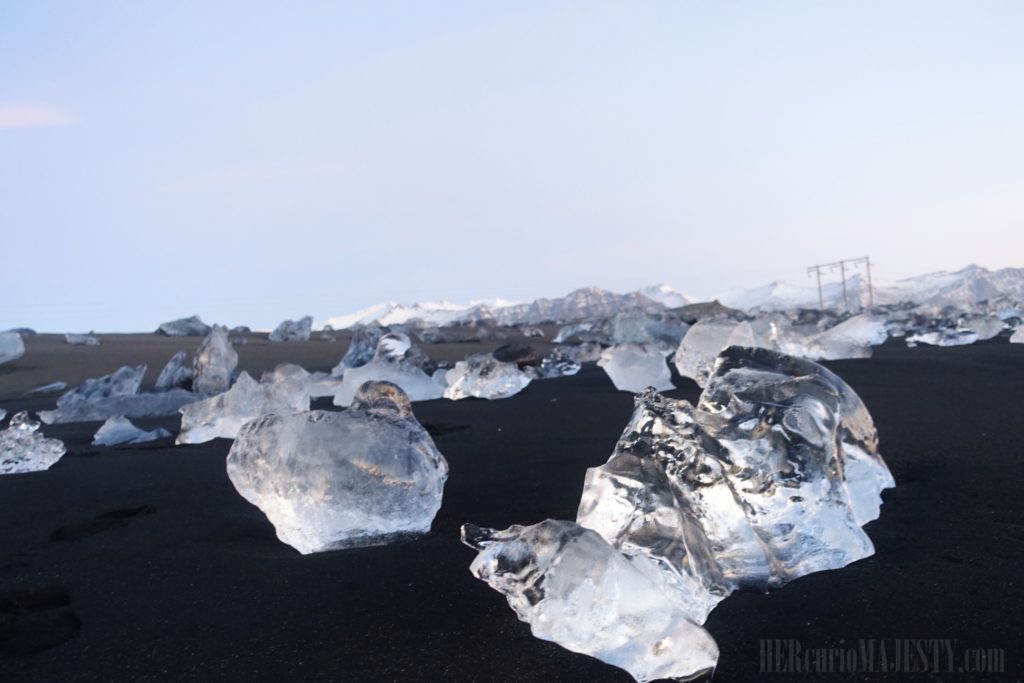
(24, 449)
(397, 361)
(222, 415)
(770, 477)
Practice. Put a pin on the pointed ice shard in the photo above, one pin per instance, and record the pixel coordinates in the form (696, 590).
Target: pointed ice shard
(769, 478)
(293, 330)
(224, 414)
(214, 361)
(125, 381)
(119, 430)
(361, 349)
(185, 327)
(23, 449)
(330, 480)
(576, 590)
(634, 367)
(11, 346)
(482, 376)
(395, 361)
(82, 339)
(175, 373)
(1018, 335)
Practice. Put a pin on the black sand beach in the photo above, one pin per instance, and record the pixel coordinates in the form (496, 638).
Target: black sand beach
(143, 563)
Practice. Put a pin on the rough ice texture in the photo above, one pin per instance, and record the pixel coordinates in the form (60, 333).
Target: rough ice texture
(769, 478)
(575, 589)
(480, 375)
(24, 449)
(634, 367)
(293, 330)
(175, 374)
(134, 405)
(316, 384)
(119, 430)
(125, 381)
(82, 339)
(330, 480)
(214, 362)
(11, 346)
(395, 361)
(221, 416)
(361, 349)
(185, 327)
(561, 363)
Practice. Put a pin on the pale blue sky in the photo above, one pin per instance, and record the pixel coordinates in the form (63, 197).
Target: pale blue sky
(251, 161)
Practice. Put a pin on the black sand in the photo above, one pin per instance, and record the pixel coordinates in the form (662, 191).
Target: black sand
(142, 563)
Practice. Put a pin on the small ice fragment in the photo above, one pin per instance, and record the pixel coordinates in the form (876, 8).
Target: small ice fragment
(82, 339)
(331, 480)
(185, 327)
(48, 388)
(24, 449)
(11, 346)
(480, 375)
(119, 430)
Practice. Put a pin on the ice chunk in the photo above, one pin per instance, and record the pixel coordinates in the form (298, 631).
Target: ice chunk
(3, 414)
(214, 362)
(985, 326)
(82, 339)
(23, 449)
(481, 375)
(11, 346)
(330, 480)
(697, 351)
(125, 381)
(119, 430)
(395, 361)
(185, 327)
(769, 478)
(943, 337)
(1018, 335)
(567, 332)
(360, 349)
(175, 373)
(637, 326)
(531, 332)
(576, 590)
(293, 330)
(224, 414)
(558, 364)
(134, 405)
(634, 367)
(852, 338)
(587, 352)
(316, 384)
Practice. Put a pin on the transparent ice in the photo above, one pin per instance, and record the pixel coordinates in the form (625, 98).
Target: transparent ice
(175, 374)
(395, 361)
(575, 589)
(24, 449)
(1018, 335)
(360, 349)
(133, 405)
(634, 367)
(316, 384)
(769, 478)
(695, 356)
(11, 346)
(214, 362)
(480, 375)
(119, 430)
(329, 480)
(221, 416)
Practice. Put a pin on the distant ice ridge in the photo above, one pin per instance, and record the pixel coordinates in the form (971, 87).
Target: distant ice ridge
(24, 449)
(770, 477)
(223, 415)
(395, 360)
(331, 480)
(119, 430)
(575, 589)
(11, 346)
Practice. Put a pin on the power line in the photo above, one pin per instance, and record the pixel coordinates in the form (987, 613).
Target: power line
(841, 265)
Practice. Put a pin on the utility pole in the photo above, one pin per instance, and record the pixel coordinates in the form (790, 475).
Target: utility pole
(841, 265)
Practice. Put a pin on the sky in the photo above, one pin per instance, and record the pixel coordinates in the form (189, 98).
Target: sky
(254, 161)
